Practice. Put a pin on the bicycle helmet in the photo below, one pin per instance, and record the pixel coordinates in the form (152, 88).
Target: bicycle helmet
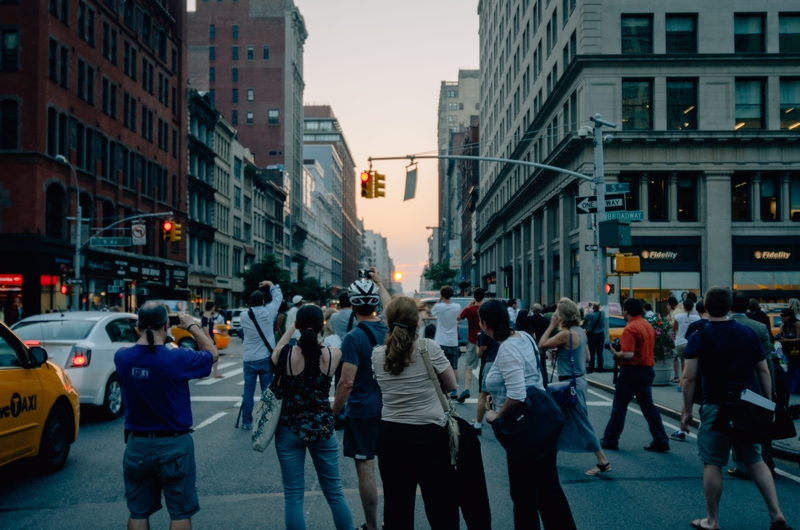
(364, 292)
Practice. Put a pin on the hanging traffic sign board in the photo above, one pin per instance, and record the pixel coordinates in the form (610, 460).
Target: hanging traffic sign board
(138, 234)
(591, 248)
(614, 203)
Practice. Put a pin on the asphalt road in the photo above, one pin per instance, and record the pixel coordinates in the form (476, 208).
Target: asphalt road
(240, 488)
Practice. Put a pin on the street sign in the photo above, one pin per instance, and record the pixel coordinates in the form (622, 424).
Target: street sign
(614, 203)
(74, 281)
(591, 248)
(138, 234)
(111, 242)
(618, 187)
(634, 215)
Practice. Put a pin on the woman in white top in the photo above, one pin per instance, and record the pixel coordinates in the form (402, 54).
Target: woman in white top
(535, 488)
(413, 446)
(680, 323)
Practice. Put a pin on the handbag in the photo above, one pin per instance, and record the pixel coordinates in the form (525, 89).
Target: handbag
(532, 430)
(566, 392)
(450, 414)
(742, 420)
(783, 426)
(267, 413)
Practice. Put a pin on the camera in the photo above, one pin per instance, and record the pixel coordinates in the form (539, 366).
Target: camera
(615, 344)
(174, 320)
(364, 273)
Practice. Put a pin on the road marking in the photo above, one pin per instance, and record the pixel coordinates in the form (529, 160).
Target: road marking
(210, 420)
(220, 366)
(213, 380)
(639, 412)
(787, 475)
(220, 399)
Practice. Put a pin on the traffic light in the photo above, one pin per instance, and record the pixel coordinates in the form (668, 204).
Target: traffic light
(609, 288)
(380, 185)
(366, 184)
(167, 229)
(175, 233)
(64, 289)
(622, 263)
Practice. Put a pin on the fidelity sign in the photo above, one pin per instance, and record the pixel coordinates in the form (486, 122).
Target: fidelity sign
(768, 254)
(657, 254)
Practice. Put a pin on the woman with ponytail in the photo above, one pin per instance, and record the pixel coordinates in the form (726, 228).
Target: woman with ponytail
(535, 489)
(307, 419)
(413, 444)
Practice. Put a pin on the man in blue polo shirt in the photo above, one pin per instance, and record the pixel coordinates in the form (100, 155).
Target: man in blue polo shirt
(159, 455)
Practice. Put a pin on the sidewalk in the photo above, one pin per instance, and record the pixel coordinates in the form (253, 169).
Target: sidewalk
(670, 402)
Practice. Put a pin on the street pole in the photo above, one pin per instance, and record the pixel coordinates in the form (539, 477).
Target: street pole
(76, 295)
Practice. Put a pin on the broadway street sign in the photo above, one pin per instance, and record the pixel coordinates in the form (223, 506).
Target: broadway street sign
(634, 215)
(614, 203)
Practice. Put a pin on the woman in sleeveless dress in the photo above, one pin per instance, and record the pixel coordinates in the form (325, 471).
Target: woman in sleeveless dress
(207, 325)
(306, 421)
(578, 435)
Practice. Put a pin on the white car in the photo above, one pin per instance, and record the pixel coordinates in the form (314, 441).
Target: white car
(236, 321)
(83, 343)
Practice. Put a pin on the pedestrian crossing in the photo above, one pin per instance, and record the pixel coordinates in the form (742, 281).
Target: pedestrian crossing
(226, 375)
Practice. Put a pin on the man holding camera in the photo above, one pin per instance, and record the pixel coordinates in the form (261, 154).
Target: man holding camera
(635, 358)
(159, 455)
(258, 341)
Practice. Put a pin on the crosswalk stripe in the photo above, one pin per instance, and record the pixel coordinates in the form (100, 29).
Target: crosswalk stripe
(221, 366)
(226, 375)
(210, 420)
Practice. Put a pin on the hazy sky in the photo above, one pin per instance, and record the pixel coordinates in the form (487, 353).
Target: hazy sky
(379, 64)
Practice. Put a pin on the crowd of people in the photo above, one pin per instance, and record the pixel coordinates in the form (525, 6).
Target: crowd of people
(391, 379)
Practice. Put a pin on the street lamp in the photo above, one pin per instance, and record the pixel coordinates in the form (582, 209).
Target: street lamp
(76, 295)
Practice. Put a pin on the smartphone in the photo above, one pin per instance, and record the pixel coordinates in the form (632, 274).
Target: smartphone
(174, 320)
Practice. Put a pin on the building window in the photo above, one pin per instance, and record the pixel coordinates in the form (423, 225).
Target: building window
(748, 33)
(681, 34)
(237, 169)
(212, 53)
(235, 31)
(81, 79)
(52, 61)
(211, 74)
(687, 198)
(250, 94)
(249, 118)
(234, 117)
(740, 196)
(632, 197)
(749, 104)
(65, 12)
(790, 104)
(235, 95)
(266, 52)
(90, 27)
(637, 34)
(637, 108)
(681, 104)
(235, 74)
(55, 213)
(237, 227)
(273, 117)
(10, 57)
(9, 124)
(212, 32)
(770, 197)
(64, 75)
(657, 195)
(235, 53)
(794, 198)
(250, 53)
(789, 33)
(452, 93)
(237, 197)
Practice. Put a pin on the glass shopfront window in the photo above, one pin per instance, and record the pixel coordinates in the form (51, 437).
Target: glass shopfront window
(655, 288)
(770, 198)
(740, 194)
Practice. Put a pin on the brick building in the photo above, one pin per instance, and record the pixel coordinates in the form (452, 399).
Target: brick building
(101, 83)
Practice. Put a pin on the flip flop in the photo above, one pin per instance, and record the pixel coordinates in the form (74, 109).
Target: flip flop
(698, 523)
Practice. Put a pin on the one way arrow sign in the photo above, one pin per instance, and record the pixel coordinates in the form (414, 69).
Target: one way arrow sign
(614, 203)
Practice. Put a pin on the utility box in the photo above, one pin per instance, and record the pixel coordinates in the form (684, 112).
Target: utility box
(615, 234)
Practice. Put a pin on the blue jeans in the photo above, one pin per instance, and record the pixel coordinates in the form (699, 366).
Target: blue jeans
(635, 381)
(291, 452)
(254, 369)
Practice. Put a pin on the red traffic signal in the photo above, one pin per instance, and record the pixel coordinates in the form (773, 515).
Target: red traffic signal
(365, 176)
(609, 288)
(167, 226)
(367, 188)
(64, 289)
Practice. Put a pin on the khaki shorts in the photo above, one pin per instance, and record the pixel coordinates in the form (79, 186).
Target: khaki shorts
(679, 350)
(714, 447)
(471, 358)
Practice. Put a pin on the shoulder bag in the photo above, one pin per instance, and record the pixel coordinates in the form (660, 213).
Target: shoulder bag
(267, 412)
(566, 392)
(258, 328)
(449, 412)
(532, 430)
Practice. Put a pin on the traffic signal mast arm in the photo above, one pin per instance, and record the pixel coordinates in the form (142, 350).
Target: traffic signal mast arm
(141, 216)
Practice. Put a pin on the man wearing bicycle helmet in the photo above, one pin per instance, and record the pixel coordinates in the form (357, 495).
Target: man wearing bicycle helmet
(359, 389)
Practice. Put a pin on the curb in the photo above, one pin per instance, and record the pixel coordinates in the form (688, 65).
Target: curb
(778, 451)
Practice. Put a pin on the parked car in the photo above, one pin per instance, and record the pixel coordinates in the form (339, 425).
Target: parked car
(83, 343)
(184, 338)
(463, 327)
(39, 406)
(236, 321)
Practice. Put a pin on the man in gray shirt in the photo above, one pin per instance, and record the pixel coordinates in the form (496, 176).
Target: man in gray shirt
(344, 320)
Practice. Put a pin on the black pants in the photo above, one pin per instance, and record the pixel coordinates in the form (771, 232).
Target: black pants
(596, 343)
(411, 455)
(536, 491)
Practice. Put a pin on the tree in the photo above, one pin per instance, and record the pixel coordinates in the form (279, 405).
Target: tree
(440, 274)
(269, 268)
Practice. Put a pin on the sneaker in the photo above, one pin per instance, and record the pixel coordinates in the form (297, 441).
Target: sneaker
(247, 426)
(454, 395)
(679, 389)
(606, 445)
(463, 397)
(478, 427)
(678, 435)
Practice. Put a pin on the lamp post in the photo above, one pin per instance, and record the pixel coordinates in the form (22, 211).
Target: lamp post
(76, 295)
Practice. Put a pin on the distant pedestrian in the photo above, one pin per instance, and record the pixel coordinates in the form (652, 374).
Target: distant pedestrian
(535, 488)
(487, 351)
(159, 455)
(207, 323)
(344, 320)
(306, 421)
(446, 313)
(537, 322)
(578, 435)
(731, 360)
(522, 323)
(471, 360)
(596, 336)
(280, 321)
(297, 303)
(413, 446)
(648, 310)
(680, 324)
(512, 311)
(636, 359)
(754, 311)
(794, 305)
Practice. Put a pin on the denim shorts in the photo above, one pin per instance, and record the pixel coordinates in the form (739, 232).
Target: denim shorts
(714, 447)
(153, 465)
(361, 437)
(452, 353)
(485, 370)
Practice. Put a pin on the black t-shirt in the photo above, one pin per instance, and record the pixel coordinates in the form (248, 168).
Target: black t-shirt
(727, 353)
(538, 324)
(695, 326)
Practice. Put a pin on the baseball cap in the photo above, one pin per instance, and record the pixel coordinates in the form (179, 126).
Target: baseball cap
(297, 299)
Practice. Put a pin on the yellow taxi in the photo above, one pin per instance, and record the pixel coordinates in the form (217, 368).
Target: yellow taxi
(184, 339)
(616, 323)
(39, 408)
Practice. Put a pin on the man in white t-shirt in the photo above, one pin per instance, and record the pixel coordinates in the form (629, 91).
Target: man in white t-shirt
(291, 315)
(446, 314)
(513, 312)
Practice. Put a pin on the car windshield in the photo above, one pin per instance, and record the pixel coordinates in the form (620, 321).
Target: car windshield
(615, 322)
(237, 313)
(54, 330)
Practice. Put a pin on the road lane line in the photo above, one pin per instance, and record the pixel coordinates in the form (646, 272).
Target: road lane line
(639, 412)
(222, 366)
(787, 475)
(213, 380)
(210, 420)
(220, 399)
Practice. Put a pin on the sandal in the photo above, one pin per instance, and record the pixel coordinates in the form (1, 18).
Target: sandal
(698, 523)
(599, 469)
(675, 380)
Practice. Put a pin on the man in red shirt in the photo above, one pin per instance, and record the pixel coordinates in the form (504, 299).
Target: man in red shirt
(471, 360)
(635, 358)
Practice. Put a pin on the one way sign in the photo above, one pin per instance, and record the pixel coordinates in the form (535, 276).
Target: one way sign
(614, 203)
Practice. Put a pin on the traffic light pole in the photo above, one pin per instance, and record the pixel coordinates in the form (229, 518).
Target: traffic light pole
(131, 218)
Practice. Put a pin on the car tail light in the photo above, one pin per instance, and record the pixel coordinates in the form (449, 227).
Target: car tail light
(32, 343)
(216, 331)
(79, 357)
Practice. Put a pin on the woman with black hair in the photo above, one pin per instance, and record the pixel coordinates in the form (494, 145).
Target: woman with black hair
(535, 488)
(307, 419)
(207, 325)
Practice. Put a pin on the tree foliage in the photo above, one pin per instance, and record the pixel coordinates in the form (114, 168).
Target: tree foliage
(440, 274)
(270, 268)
